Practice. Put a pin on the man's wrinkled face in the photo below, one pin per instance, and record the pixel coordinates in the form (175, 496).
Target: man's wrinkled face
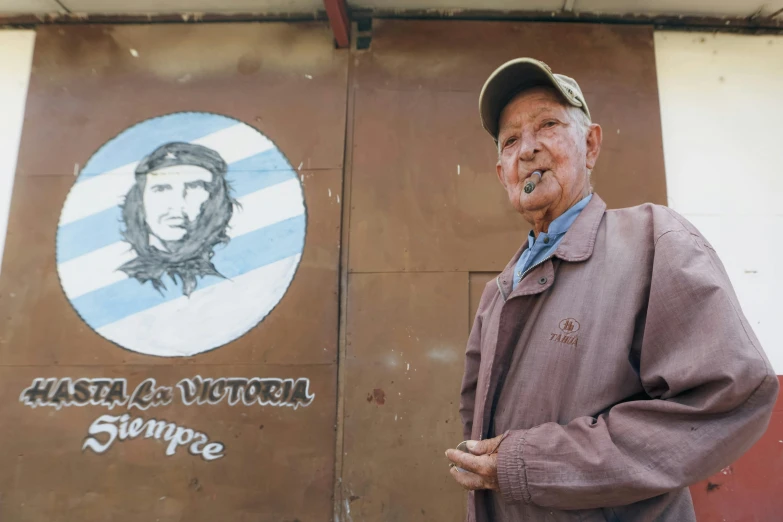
(538, 131)
(172, 199)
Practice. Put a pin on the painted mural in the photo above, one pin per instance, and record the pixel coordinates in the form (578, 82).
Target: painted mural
(181, 234)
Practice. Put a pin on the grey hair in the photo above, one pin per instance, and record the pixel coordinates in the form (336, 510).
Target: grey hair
(579, 117)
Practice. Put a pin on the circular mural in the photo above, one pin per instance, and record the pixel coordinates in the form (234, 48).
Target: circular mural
(181, 234)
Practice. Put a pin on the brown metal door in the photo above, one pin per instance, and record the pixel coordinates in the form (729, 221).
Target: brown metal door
(169, 294)
(430, 225)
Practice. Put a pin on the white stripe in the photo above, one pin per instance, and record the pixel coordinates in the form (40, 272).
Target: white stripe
(261, 208)
(266, 207)
(108, 189)
(236, 142)
(208, 318)
(95, 270)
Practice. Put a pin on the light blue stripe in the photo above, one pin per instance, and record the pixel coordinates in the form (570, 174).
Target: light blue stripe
(271, 159)
(243, 254)
(102, 229)
(136, 142)
(88, 234)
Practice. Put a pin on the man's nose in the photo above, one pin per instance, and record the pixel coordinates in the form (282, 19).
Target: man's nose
(175, 200)
(528, 146)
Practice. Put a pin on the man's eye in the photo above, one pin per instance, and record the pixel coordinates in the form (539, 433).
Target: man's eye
(509, 141)
(549, 124)
(195, 184)
(160, 188)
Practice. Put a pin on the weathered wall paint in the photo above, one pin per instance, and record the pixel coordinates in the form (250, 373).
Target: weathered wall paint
(16, 56)
(721, 111)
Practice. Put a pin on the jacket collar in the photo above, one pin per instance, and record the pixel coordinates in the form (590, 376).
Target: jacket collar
(577, 244)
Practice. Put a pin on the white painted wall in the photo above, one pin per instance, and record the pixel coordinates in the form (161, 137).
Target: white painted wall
(16, 57)
(722, 116)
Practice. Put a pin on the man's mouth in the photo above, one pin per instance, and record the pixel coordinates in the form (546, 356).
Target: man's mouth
(532, 180)
(538, 172)
(173, 221)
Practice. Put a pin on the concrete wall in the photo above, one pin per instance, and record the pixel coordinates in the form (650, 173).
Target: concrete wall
(721, 112)
(16, 56)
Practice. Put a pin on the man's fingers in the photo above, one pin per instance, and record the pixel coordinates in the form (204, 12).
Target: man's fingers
(477, 447)
(478, 464)
(467, 480)
(483, 447)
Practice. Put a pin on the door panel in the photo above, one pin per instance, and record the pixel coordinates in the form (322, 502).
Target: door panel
(403, 366)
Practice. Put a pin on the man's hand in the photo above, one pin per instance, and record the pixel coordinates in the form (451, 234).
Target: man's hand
(479, 467)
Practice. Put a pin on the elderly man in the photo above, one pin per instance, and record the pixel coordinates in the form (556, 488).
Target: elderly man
(610, 364)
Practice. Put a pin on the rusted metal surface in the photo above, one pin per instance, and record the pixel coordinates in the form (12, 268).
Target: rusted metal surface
(91, 82)
(277, 464)
(338, 19)
(424, 181)
(769, 24)
(424, 170)
(337, 496)
(403, 363)
(27, 20)
(749, 489)
(276, 448)
(756, 24)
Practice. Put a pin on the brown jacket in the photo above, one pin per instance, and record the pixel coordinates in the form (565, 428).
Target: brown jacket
(623, 368)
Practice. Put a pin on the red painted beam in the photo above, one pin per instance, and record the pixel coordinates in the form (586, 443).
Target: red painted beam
(338, 18)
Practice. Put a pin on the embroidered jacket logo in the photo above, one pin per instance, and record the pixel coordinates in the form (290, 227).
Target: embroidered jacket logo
(568, 328)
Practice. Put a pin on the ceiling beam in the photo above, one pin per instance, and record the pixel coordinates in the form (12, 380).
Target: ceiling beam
(338, 19)
(767, 24)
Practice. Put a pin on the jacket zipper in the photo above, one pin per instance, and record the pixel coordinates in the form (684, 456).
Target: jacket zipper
(532, 267)
(497, 279)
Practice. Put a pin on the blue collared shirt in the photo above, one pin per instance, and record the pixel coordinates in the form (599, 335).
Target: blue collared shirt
(538, 249)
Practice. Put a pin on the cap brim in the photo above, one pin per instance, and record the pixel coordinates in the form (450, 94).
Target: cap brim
(507, 80)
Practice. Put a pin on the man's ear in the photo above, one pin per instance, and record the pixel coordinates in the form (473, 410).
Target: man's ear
(594, 139)
(499, 169)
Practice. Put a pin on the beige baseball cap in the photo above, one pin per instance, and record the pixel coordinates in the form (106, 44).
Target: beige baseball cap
(515, 76)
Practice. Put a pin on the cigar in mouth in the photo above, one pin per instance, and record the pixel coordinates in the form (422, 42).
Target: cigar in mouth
(531, 183)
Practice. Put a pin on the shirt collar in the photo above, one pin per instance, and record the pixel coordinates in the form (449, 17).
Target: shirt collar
(577, 245)
(563, 222)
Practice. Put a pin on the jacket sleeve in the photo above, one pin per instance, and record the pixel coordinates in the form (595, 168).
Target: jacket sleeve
(711, 392)
(472, 363)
